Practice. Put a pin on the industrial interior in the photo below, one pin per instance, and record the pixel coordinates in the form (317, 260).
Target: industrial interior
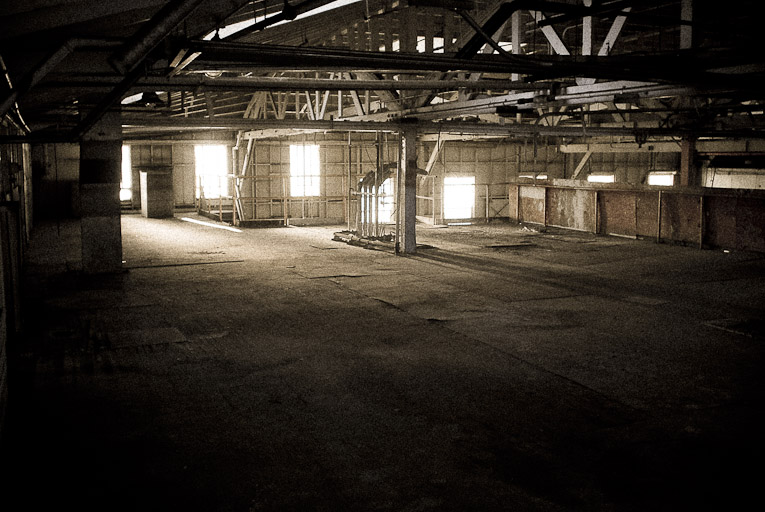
(397, 255)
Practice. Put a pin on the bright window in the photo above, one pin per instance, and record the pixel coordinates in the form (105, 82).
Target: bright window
(386, 201)
(665, 179)
(459, 197)
(304, 170)
(421, 44)
(438, 45)
(600, 178)
(126, 182)
(211, 169)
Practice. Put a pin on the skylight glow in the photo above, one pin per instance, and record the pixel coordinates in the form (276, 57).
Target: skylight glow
(229, 30)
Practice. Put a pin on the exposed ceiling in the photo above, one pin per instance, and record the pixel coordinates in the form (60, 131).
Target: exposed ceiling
(579, 68)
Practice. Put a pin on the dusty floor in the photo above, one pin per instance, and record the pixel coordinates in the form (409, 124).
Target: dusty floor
(498, 369)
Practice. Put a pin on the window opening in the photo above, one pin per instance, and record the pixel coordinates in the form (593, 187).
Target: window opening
(304, 170)
(386, 201)
(211, 170)
(126, 181)
(665, 179)
(459, 197)
(438, 44)
(600, 178)
(533, 176)
(421, 44)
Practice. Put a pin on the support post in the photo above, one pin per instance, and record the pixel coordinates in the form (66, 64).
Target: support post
(658, 220)
(544, 207)
(701, 222)
(407, 196)
(515, 27)
(686, 29)
(350, 181)
(487, 204)
(688, 172)
(100, 169)
(597, 212)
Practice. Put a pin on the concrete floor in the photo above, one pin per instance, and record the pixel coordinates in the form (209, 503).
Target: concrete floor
(498, 369)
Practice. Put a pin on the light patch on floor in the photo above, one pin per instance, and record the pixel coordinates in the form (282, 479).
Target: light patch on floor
(210, 225)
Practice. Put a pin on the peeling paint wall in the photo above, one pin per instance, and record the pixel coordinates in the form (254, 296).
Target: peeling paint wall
(698, 217)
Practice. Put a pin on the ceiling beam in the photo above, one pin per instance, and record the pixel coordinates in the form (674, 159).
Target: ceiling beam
(152, 33)
(201, 82)
(422, 126)
(673, 68)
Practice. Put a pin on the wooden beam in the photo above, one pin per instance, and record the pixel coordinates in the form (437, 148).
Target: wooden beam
(324, 102)
(580, 165)
(434, 154)
(552, 36)
(309, 107)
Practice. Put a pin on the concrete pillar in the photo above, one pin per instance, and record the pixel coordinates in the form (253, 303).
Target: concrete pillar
(686, 29)
(689, 176)
(100, 160)
(407, 199)
(157, 200)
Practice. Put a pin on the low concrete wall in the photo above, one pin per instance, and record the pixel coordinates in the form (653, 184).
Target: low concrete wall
(733, 219)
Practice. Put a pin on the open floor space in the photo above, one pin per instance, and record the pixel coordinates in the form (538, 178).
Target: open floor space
(499, 368)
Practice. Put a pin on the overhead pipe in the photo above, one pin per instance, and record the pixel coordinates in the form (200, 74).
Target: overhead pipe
(673, 68)
(306, 57)
(648, 110)
(106, 103)
(288, 12)
(460, 127)
(156, 125)
(151, 34)
(39, 72)
(193, 83)
(134, 52)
